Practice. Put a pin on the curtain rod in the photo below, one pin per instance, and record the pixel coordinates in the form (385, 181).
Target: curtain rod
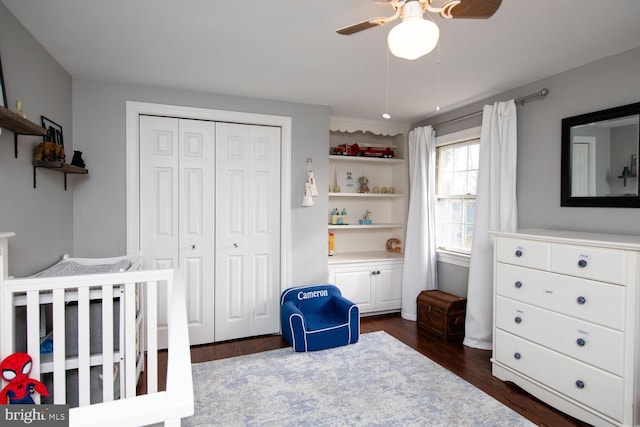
(522, 100)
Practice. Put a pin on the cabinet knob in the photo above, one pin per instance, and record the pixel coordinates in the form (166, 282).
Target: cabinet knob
(193, 246)
(518, 319)
(581, 342)
(375, 273)
(518, 253)
(518, 284)
(582, 263)
(517, 356)
(235, 245)
(581, 300)
(580, 384)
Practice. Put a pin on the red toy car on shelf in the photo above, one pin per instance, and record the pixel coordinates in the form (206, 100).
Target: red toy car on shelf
(386, 153)
(346, 150)
(369, 151)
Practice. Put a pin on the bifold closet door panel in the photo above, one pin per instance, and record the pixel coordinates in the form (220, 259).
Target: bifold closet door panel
(196, 213)
(158, 202)
(247, 244)
(176, 213)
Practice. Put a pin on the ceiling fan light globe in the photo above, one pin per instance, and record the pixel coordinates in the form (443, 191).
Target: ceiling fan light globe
(413, 37)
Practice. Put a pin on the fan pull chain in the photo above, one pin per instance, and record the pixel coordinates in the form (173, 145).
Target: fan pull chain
(386, 114)
(438, 76)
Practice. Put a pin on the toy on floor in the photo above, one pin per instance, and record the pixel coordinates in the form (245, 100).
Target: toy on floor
(15, 370)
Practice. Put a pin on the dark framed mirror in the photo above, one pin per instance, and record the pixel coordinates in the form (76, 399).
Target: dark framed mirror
(599, 164)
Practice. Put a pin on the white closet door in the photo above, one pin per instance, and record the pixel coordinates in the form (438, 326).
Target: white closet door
(176, 213)
(247, 243)
(196, 201)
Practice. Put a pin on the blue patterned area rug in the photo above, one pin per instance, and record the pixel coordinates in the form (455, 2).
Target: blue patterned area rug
(377, 382)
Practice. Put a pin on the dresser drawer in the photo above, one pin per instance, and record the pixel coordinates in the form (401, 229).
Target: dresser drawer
(597, 302)
(526, 253)
(590, 386)
(596, 345)
(607, 265)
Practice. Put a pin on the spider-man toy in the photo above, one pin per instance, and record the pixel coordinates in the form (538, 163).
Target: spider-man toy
(15, 369)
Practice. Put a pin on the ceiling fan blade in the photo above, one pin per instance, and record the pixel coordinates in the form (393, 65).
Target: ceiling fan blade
(361, 26)
(475, 9)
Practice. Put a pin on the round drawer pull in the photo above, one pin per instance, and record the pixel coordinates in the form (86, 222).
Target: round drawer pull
(518, 253)
(580, 384)
(581, 300)
(518, 285)
(582, 263)
(518, 319)
(581, 342)
(517, 356)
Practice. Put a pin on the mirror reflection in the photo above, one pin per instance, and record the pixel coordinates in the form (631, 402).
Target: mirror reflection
(600, 158)
(604, 158)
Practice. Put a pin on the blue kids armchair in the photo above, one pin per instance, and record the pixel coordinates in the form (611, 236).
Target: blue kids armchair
(318, 317)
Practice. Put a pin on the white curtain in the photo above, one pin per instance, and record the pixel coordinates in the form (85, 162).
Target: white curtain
(419, 270)
(496, 209)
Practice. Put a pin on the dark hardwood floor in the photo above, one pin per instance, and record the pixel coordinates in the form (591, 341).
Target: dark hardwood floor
(470, 364)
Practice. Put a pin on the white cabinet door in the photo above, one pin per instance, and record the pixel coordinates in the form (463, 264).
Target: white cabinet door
(372, 286)
(247, 230)
(356, 284)
(389, 290)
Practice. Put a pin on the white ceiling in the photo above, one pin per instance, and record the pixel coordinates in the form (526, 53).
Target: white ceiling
(288, 49)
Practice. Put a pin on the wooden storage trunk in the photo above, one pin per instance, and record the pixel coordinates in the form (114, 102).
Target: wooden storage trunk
(442, 313)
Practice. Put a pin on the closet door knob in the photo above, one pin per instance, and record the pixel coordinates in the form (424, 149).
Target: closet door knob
(517, 356)
(581, 342)
(518, 284)
(518, 253)
(581, 300)
(580, 384)
(518, 319)
(582, 263)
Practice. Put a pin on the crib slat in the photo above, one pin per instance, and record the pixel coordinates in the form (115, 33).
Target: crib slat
(8, 324)
(59, 346)
(33, 335)
(107, 343)
(130, 339)
(152, 336)
(84, 350)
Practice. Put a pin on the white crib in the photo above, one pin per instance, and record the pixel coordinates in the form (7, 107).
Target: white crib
(135, 293)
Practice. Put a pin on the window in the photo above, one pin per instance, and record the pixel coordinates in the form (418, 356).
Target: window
(456, 176)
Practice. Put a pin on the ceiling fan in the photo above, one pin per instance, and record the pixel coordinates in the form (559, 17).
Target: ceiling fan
(415, 36)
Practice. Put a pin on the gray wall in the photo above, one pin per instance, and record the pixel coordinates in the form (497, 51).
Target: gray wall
(93, 210)
(100, 200)
(607, 83)
(42, 218)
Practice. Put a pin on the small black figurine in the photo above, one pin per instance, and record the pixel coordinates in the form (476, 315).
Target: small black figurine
(77, 159)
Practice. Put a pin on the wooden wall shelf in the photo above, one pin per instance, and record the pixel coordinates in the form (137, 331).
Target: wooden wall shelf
(19, 126)
(58, 166)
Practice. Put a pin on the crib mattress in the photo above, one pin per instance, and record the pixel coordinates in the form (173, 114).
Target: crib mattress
(77, 266)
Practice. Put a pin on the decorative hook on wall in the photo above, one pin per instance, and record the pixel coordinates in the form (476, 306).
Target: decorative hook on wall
(311, 179)
(310, 189)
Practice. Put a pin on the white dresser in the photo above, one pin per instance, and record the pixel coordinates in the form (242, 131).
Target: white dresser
(566, 322)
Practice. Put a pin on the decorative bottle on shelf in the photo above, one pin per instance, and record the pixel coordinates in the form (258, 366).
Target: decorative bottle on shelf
(342, 219)
(334, 216)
